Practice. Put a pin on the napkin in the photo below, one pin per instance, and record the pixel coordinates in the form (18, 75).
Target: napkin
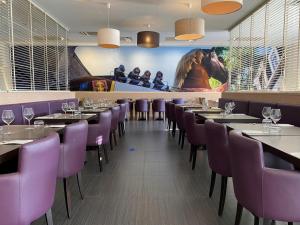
(15, 142)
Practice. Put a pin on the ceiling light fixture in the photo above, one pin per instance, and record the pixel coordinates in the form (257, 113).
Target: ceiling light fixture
(221, 7)
(187, 29)
(108, 37)
(148, 39)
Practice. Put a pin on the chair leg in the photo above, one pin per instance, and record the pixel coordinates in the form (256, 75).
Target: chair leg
(194, 157)
(239, 213)
(256, 220)
(290, 223)
(222, 195)
(115, 137)
(182, 139)
(212, 183)
(49, 219)
(119, 129)
(110, 141)
(67, 196)
(191, 153)
(123, 128)
(100, 159)
(179, 139)
(79, 183)
(174, 128)
(169, 124)
(105, 153)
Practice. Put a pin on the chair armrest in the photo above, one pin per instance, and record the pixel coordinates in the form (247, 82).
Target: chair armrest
(281, 194)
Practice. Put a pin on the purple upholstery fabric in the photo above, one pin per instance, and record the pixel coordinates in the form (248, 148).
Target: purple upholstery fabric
(255, 108)
(267, 193)
(73, 100)
(195, 132)
(178, 101)
(39, 108)
(17, 109)
(158, 105)
(115, 118)
(55, 106)
(122, 114)
(290, 114)
(29, 193)
(101, 129)
(179, 115)
(218, 148)
(126, 101)
(72, 152)
(141, 105)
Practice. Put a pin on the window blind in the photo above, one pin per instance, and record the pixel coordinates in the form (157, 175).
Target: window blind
(33, 48)
(265, 49)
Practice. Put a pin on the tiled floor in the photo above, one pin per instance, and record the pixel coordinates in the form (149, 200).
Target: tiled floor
(148, 181)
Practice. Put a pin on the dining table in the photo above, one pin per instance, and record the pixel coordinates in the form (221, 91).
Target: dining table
(13, 136)
(212, 110)
(59, 118)
(228, 118)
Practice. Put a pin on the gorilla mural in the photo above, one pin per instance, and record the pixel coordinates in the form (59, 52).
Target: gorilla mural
(202, 70)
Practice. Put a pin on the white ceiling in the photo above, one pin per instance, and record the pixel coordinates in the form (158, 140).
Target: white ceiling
(131, 16)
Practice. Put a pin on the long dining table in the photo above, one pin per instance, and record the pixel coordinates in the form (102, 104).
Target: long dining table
(283, 140)
(231, 118)
(13, 136)
(59, 118)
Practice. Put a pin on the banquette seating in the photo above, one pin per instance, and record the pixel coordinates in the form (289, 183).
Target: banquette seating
(290, 113)
(40, 109)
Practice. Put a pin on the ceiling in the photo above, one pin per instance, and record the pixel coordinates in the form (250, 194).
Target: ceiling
(131, 16)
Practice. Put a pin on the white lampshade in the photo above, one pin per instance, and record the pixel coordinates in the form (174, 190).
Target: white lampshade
(220, 7)
(189, 29)
(108, 38)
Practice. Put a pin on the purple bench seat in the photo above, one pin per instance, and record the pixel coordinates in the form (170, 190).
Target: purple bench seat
(17, 109)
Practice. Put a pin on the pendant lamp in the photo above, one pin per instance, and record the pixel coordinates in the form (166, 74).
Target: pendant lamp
(188, 29)
(148, 39)
(221, 7)
(108, 37)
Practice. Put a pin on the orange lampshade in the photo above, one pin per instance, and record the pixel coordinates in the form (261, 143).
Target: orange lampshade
(220, 7)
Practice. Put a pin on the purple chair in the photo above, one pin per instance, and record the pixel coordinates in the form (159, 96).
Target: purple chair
(178, 101)
(122, 118)
(17, 110)
(141, 108)
(99, 136)
(158, 106)
(72, 157)
(179, 115)
(29, 193)
(195, 134)
(126, 101)
(218, 158)
(167, 106)
(114, 124)
(265, 192)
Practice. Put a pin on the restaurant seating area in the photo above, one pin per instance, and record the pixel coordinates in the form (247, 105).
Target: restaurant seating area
(146, 112)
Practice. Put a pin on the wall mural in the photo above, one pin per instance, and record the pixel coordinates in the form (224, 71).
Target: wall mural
(138, 69)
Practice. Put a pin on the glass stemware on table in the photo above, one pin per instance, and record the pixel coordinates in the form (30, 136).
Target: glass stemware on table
(8, 117)
(72, 107)
(229, 107)
(64, 107)
(266, 113)
(28, 114)
(275, 116)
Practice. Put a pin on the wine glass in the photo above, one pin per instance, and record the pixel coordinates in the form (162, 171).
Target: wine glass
(275, 115)
(8, 117)
(266, 113)
(227, 108)
(231, 106)
(64, 107)
(72, 106)
(28, 114)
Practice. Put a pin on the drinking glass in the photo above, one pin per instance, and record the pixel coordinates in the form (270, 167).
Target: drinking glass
(28, 114)
(64, 107)
(227, 108)
(72, 107)
(266, 113)
(8, 117)
(275, 116)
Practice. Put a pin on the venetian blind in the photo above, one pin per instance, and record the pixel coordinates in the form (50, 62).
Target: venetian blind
(265, 49)
(33, 48)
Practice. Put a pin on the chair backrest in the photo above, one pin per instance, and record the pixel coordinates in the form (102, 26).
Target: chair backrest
(115, 117)
(123, 111)
(141, 105)
(179, 115)
(73, 150)
(38, 167)
(102, 128)
(159, 105)
(246, 156)
(195, 132)
(218, 148)
(178, 101)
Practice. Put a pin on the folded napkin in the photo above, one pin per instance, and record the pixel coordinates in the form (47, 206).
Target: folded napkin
(15, 142)
(254, 132)
(57, 126)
